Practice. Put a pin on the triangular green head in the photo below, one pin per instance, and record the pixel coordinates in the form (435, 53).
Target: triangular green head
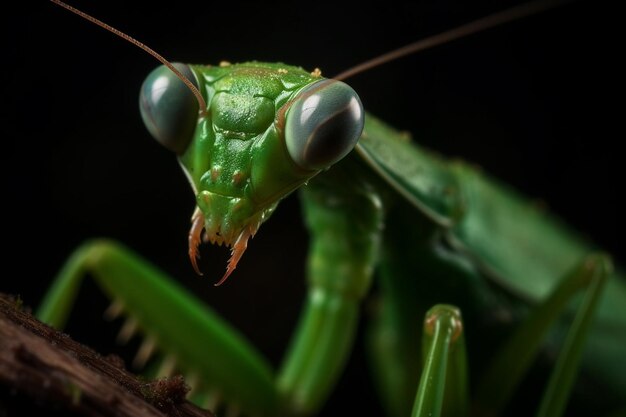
(267, 129)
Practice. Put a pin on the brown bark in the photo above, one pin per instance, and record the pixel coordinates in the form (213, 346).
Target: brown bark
(53, 371)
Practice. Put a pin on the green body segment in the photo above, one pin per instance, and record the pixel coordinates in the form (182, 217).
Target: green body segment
(498, 381)
(201, 342)
(555, 398)
(526, 250)
(443, 385)
(499, 237)
(422, 178)
(345, 219)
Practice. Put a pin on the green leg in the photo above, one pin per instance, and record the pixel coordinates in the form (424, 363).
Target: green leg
(413, 276)
(184, 329)
(597, 268)
(345, 226)
(339, 271)
(513, 360)
(443, 386)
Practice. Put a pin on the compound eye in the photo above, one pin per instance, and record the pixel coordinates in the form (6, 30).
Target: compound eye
(168, 108)
(323, 124)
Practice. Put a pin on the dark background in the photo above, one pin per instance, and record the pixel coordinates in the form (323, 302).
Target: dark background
(528, 102)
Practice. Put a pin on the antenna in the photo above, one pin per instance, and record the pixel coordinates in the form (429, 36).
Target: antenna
(479, 25)
(188, 83)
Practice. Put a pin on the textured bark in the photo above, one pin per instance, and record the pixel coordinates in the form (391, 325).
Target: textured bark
(43, 368)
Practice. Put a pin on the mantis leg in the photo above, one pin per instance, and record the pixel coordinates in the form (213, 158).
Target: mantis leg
(182, 327)
(515, 357)
(345, 226)
(340, 271)
(416, 273)
(444, 377)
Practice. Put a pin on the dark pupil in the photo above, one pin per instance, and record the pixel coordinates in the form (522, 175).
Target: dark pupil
(328, 138)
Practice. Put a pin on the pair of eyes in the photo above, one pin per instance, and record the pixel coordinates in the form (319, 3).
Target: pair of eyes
(322, 124)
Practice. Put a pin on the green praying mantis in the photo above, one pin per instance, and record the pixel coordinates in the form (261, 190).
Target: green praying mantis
(447, 249)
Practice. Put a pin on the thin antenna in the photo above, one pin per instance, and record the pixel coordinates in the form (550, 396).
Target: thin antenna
(488, 22)
(149, 50)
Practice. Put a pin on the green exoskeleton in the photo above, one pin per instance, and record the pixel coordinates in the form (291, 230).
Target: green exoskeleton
(482, 264)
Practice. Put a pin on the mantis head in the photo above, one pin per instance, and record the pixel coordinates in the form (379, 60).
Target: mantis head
(266, 130)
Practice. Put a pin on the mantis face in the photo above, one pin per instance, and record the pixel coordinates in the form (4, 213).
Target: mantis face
(268, 129)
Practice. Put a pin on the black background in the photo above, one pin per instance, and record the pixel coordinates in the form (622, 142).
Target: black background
(528, 102)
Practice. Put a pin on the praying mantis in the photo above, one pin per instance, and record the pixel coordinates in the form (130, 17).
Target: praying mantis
(150, 225)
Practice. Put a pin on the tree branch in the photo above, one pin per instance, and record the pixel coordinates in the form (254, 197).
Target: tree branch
(53, 370)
